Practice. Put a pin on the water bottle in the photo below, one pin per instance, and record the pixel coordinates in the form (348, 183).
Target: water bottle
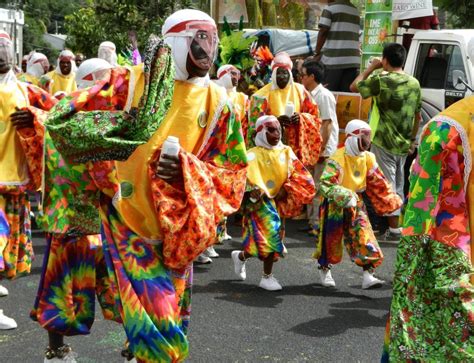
(171, 148)
(289, 109)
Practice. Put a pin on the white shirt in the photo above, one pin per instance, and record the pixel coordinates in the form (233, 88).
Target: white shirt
(327, 111)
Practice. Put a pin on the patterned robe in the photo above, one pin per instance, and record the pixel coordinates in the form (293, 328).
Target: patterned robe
(432, 311)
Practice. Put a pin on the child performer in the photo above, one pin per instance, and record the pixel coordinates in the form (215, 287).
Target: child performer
(350, 171)
(278, 186)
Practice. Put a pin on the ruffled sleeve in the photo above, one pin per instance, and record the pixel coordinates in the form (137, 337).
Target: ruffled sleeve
(31, 139)
(305, 137)
(212, 188)
(300, 190)
(378, 189)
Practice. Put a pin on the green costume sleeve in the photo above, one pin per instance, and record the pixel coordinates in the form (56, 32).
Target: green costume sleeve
(330, 186)
(81, 135)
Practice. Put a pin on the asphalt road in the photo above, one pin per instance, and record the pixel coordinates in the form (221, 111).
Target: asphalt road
(236, 321)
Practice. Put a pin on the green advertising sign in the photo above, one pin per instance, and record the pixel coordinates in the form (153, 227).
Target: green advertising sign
(378, 5)
(377, 30)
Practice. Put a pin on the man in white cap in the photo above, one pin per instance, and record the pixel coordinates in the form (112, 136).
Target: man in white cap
(21, 153)
(62, 79)
(294, 108)
(108, 52)
(165, 208)
(349, 172)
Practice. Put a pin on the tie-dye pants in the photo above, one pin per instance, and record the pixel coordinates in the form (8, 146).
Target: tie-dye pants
(262, 229)
(74, 272)
(153, 300)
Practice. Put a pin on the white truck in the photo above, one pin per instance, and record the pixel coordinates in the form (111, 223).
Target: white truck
(443, 63)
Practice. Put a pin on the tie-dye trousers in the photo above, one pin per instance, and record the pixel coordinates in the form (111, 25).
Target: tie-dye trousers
(263, 230)
(74, 272)
(153, 300)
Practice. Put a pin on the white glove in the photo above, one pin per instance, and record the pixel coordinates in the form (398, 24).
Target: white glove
(352, 202)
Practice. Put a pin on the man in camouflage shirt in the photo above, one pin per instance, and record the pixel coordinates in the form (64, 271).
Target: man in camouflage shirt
(395, 117)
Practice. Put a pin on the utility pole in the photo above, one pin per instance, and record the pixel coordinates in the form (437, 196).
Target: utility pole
(12, 8)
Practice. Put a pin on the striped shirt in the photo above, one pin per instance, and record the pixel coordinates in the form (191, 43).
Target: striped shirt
(341, 49)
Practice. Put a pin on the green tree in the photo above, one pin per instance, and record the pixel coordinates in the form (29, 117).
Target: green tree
(460, 12)
(111, 20)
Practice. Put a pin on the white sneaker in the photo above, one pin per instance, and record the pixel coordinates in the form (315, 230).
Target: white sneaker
(134, 360)
(203, 258)
(3, 291)
(211, 252)
(227, 236)
(239, 266)
(370, 282)
(270, 283)
(285, 251)
(6, 322)
(326, 278)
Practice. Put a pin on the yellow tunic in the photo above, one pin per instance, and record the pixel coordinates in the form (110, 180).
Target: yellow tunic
(355, 169)
(61, 83)
(278, 98)
(13, 165)
(189, 118)
(269, 169)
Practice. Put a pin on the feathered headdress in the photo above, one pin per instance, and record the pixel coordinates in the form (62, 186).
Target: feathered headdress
(235, 47)
(263, 55)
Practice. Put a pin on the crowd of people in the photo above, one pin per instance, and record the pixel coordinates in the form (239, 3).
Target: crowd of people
(139, 166)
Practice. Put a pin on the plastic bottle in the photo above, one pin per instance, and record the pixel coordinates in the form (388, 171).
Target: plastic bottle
(289, 109)
(170, 148)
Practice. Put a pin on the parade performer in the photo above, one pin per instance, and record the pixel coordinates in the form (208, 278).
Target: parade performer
(108, 52)
(74, 269)
(165, 212)
(92, 71)
(36, 66)
(21, 133)
(348, 173)
(278, 185)
(431, 316)
(228, 77)
(281, 96)
(62, 79)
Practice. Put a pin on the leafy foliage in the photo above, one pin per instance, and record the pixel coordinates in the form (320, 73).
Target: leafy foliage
(460, 12)
(111, 20)
(235, 48)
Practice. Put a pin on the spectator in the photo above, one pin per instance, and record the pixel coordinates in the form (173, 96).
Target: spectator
(339, 28)
(395, 118)
(312, 77)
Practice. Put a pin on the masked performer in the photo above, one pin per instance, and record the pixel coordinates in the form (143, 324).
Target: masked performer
(348, 173)
(278, 186)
